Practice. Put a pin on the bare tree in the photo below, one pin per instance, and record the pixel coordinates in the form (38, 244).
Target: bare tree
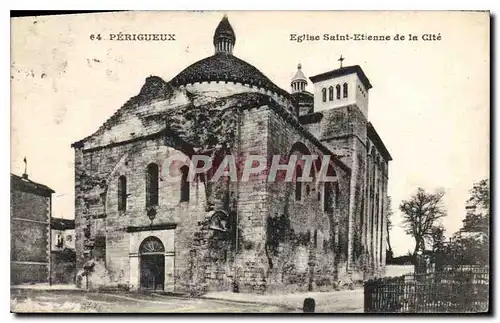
(389, 212)
(421, 216)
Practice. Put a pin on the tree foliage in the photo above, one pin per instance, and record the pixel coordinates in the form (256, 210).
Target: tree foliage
(470, 245)
(438, 238)
(477, 218)
(421, 215)
(469, 250)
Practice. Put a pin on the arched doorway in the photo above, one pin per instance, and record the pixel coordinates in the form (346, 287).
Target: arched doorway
(152, 264)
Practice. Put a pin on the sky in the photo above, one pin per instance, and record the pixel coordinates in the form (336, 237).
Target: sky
(429, 102)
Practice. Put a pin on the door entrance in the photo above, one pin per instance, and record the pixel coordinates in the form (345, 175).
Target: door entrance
(152, 264)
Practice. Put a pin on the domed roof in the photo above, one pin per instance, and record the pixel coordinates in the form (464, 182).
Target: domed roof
(299, 76)
(225, 67)
(224, 30)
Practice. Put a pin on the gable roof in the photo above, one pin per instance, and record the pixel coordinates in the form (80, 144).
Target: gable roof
(22, 183)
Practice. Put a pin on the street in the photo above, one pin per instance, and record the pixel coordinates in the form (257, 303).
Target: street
(78, 301)
(42, 300)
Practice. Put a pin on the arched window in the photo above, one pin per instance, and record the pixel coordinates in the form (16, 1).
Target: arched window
(344, 90)
(315, 239)
(298, 185)
(151, 245)
(323, 91)
(330, 93)
(152, 185)
(184, 184)
(122, 193)
(337, 88)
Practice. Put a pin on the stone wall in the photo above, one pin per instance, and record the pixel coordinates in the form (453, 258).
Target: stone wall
(344, 131)
(273, 241)
(98, 215)
(30, 249)
(313, 251)
(63, 268)
(252, 203)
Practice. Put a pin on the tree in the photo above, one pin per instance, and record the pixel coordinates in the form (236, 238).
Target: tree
(437, 237)
(477, 218)
(389, 214)
(470, 245)
(421, 215)
(439, 249)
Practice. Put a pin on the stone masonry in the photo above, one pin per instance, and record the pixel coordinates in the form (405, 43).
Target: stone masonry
(258, 235)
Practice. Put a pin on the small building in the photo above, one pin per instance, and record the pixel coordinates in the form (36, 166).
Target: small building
(63, 260)
(30, 213)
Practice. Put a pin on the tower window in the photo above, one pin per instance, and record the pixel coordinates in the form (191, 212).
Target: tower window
(122, 193)
(337, 88)
(344, 90)
(324, 94)
(330, 93)
(298, 185)
(184, 184)
(152, 185)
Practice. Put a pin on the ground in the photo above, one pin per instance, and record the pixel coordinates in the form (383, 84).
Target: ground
(77, 301)
(40, 300)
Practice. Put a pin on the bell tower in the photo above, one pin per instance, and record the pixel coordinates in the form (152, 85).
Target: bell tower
(347, 85)
(341, 97)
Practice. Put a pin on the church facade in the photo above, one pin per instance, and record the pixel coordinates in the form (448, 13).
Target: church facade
(195, 234)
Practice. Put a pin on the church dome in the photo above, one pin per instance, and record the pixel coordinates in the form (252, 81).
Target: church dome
(223, 66)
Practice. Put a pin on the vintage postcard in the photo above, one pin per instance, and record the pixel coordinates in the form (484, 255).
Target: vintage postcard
(251, 162)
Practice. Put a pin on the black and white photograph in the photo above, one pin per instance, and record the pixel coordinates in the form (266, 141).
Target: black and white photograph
(250, 162)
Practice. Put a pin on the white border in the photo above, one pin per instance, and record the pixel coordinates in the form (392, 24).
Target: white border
(183, 5)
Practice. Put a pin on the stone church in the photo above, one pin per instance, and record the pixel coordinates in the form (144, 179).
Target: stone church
(146, 233)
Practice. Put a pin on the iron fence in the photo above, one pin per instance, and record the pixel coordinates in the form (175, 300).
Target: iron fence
(455, 290)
